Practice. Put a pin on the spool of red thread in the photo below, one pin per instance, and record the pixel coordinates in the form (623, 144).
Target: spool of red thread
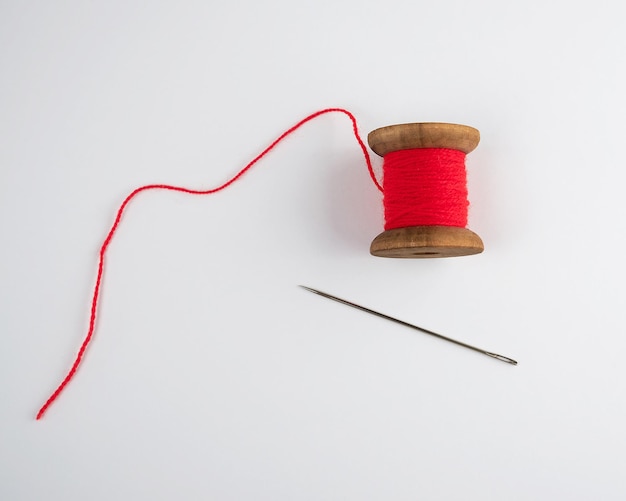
(425, 190)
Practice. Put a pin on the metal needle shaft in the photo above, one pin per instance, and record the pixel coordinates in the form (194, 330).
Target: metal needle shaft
(406, 324)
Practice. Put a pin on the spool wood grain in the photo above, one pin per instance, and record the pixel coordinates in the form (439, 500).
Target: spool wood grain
(425, 241)
(423, 135)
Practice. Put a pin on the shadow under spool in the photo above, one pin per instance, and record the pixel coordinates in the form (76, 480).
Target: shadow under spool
(425, 241)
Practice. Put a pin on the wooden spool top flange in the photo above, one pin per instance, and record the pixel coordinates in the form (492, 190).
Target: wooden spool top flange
(425, 241)
(423, 135)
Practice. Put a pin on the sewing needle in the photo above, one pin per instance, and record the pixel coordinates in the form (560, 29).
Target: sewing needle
(426, 331)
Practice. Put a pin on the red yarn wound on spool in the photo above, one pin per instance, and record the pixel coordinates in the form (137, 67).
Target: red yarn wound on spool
(425, 187)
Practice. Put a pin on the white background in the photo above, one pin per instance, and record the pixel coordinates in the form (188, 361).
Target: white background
(211, 374)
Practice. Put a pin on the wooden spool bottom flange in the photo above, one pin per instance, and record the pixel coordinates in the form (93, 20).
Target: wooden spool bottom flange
(425, 241)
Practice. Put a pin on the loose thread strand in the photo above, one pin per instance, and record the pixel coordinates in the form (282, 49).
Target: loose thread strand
(96, 293)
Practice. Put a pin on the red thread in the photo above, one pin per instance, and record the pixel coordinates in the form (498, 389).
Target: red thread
(120, 212)
(425, 187)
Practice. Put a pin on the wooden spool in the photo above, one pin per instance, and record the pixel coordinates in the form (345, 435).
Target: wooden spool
(425, 241)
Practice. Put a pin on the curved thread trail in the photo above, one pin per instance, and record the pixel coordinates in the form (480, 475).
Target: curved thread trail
(133, 194)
